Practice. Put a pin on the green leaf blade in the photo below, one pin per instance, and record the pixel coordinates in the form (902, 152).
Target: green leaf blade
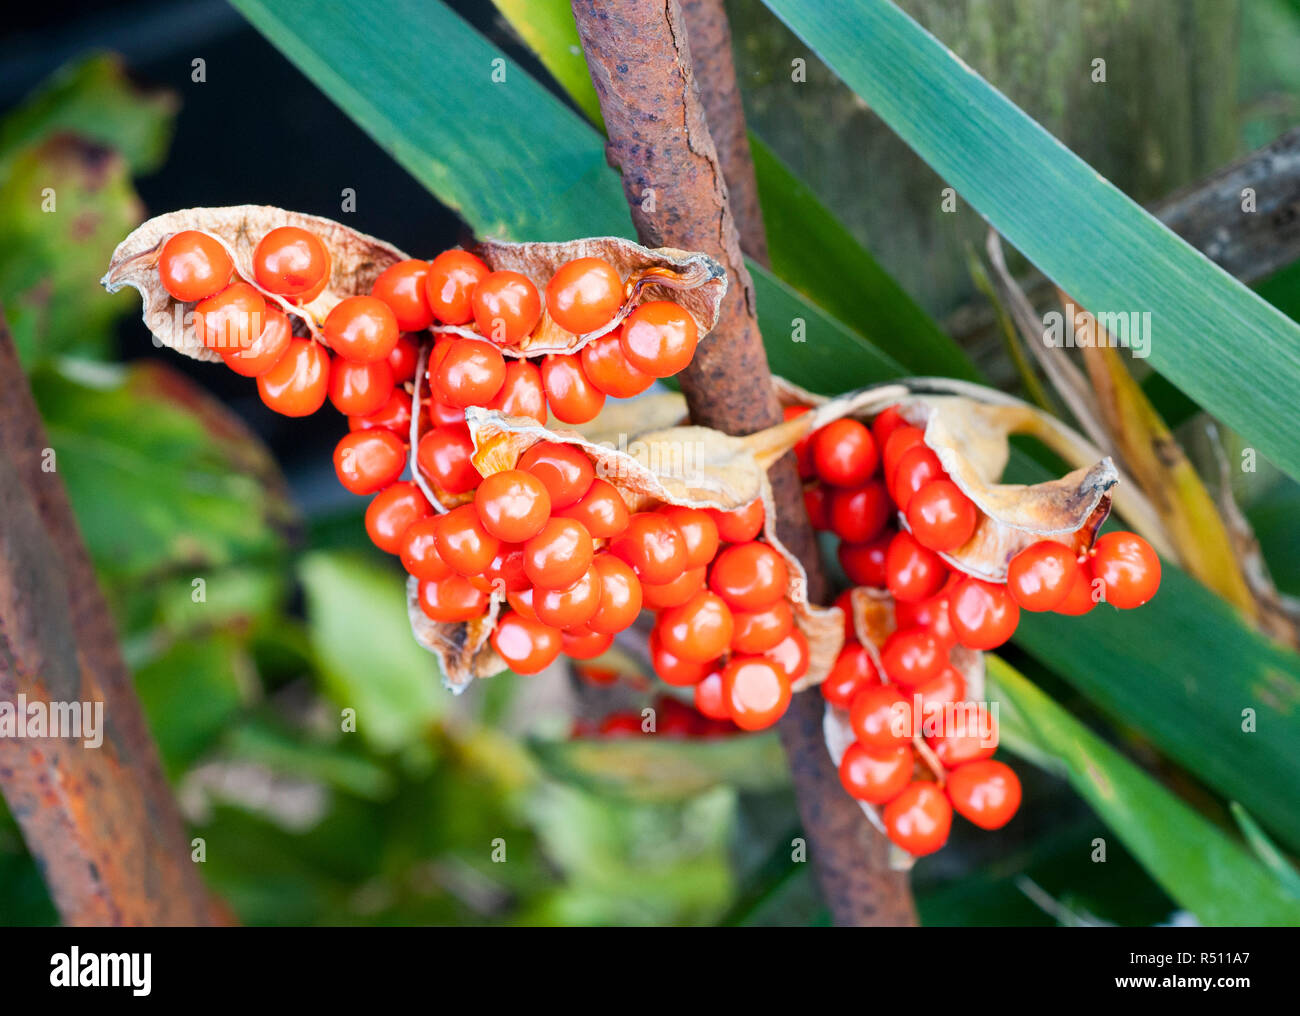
(1224, 346)
(505, 154)
(1195, 862)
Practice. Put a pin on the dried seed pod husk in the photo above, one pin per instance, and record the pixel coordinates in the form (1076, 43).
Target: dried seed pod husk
(691, 466)
(969, 428)
(695, 282)
(971, 441)
(873, 622)
(356, 261)
(462, 649)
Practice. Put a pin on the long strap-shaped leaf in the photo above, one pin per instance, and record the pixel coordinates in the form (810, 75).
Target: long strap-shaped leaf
(509, 157)
(1196, 863)
(1219, 342)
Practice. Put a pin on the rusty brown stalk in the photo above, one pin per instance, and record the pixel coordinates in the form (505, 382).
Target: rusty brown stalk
(101, 821)
(641, 64)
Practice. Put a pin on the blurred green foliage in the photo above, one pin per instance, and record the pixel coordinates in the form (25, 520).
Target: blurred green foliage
(199, 547)
(308, 738)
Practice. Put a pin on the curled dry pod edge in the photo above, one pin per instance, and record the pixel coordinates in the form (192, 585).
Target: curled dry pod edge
(691, 466)
(356, 261)
(968, 427)
(695, 282)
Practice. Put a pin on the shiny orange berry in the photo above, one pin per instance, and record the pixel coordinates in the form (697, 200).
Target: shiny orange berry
(911, 571)
(756, 690)
(859, 514)
(653, 546)
(265, 350)
(876, 775)
(564, 468)
(659, 338)
(559, 555)
(443, 456)
(453, 276)
(912, 656)
(1128, 567)
(452, 599)
(854, 670)
(985, 792)
(403, 359)
(569, 393)
(362, 329)
(749, 576)
(420, 550)
(521, 392)
(402, 287)
(699, 533)
(193, 266)
(917, 467)
(675, 592)
(602, 510)
(299, 381)
(760, 630)
(506, 307)
(572, 606)
(513, 505)
(357, 389)
(584, 644)
(880, 716)
(940, 516)
(700, 629)
(710, 695)
(464, 543)
(790, 654)
(676, 670)
(1041, 576)
(526, 645)
(620, 595)
(607, 368)
(291, 262)
(470, 373)
(844, 453)
(739, 525)
(369, 460)
(584, 295)
(231, 320)
(984, 615)
(392, 511)
(919, 819)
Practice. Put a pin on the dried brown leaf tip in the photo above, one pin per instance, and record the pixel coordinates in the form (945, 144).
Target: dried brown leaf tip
(589, 532)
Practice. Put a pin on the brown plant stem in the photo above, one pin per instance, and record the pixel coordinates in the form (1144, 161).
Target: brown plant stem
(709, 34)
(101, 821)
(641, 66)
